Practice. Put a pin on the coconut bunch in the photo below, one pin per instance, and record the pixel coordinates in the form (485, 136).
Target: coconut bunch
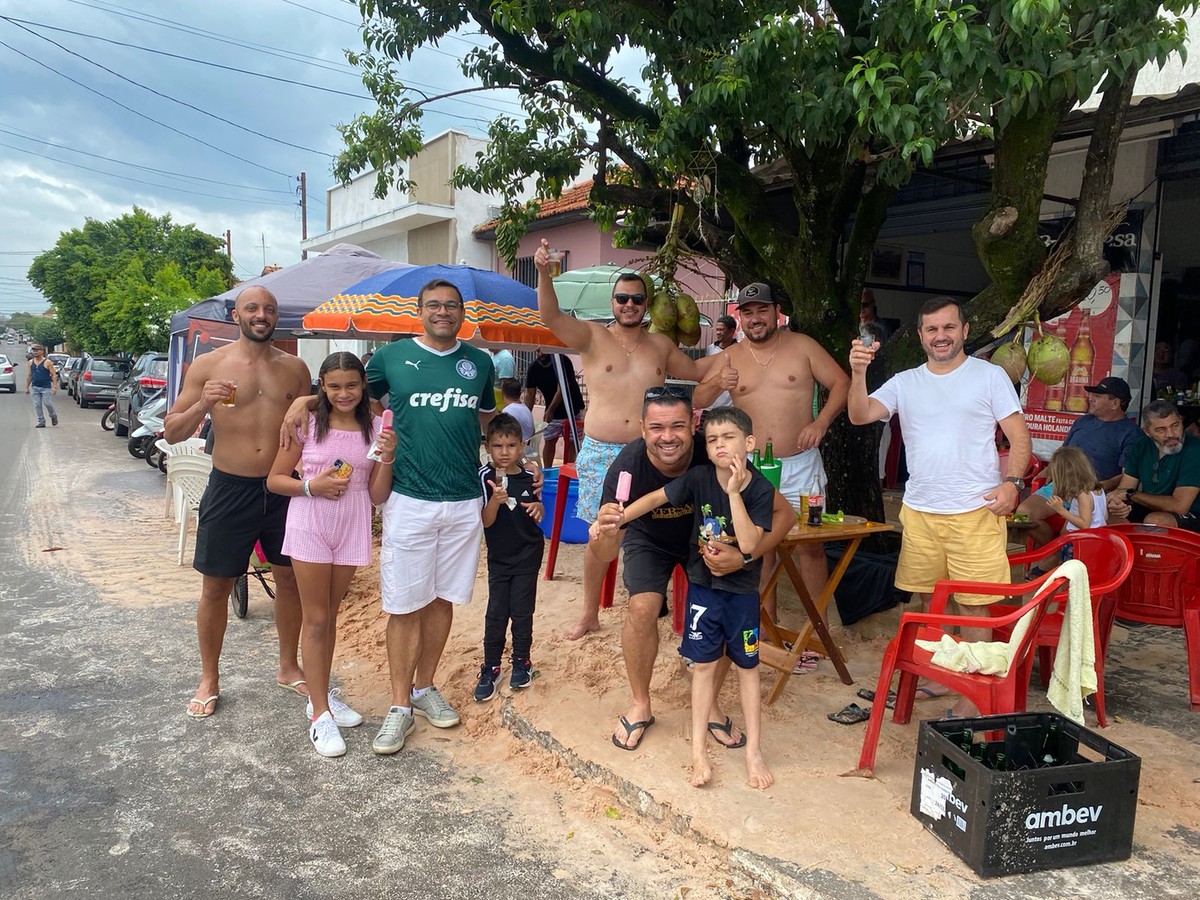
(1047, 358)
(673, 311)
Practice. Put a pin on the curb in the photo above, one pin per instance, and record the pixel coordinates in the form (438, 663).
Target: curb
(753, 875)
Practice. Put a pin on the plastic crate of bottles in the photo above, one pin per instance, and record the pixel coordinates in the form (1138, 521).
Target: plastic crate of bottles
(1025, 792)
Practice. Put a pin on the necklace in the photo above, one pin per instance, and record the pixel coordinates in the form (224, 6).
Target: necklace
(778, 341)
(629, 352)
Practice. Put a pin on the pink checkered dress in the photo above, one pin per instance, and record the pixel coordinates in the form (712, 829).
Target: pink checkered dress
(333, 531)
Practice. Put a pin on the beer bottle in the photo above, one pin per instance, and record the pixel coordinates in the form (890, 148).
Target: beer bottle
(1079, 371)
(757, 459)
(1055, 392)
(769, 459)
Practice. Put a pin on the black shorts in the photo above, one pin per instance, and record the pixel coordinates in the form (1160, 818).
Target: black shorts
(721, 624)
(236, 512)
(648, 570)
(1188, 522)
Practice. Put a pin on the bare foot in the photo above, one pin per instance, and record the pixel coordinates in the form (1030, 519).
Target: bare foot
(757, 774)
(580, 628)
(701, 771)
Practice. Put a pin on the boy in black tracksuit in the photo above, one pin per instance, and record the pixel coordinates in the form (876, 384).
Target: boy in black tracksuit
(511, 513)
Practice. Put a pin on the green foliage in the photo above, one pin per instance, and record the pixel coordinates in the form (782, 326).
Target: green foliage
(852, 95)
(46, 331)
(93, 276)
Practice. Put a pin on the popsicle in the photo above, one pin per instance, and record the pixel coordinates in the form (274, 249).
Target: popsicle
(624, 483)
(375, 452)
(387, 419)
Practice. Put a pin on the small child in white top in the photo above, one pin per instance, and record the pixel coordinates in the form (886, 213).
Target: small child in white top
(1077, 496)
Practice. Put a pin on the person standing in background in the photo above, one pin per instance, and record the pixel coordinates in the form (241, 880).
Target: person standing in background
(725, 332)
(42, 382)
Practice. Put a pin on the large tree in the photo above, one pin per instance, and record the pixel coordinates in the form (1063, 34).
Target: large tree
(845, 98)
(103, 260)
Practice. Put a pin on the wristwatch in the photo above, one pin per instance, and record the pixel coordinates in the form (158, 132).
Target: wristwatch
(1019, 482)
(746, 559)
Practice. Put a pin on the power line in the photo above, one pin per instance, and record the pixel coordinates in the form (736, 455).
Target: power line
(165, 96)
(218, 37)
(122, 162)
(202, 62)
(320, 13)
(166, 187)
(140, 114)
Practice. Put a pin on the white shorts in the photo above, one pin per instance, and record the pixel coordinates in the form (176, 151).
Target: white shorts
(799, 474)
(430, 551)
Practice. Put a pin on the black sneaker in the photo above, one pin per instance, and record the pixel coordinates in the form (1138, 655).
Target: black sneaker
(488, 678)
(522, 674)
(54, 421)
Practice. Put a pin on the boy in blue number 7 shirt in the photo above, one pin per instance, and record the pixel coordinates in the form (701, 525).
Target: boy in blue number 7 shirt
(733, 504)
(511, 513)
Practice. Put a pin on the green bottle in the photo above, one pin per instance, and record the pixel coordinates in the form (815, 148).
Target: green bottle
(769, 459)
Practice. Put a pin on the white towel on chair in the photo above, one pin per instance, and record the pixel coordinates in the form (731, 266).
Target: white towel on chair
(1074, 675)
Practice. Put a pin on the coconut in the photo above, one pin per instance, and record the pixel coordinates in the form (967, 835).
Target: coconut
(1010, 356)
(1049, 359)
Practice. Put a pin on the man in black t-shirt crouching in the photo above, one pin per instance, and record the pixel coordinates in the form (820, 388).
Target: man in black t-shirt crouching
(655, 544)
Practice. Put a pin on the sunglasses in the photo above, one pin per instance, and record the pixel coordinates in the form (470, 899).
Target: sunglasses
(636, 299)
(668, 390)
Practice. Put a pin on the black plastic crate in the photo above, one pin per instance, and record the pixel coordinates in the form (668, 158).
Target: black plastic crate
(1025, 792)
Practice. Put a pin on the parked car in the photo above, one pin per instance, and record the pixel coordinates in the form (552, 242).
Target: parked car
(147, 378)
(71, 374)
(59, 360)
(99, 378)
(8, 375)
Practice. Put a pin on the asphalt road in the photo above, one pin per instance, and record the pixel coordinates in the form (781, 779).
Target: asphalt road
(108, 790)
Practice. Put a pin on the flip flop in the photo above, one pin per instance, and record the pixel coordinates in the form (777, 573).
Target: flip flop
(806, 663)
(727, 730)
(630, 728)
(869, 695)
(294, 686)
(924, 693)
(850, 714)
(203, 706)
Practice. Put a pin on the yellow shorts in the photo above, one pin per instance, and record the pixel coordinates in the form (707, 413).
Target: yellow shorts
(968, 546)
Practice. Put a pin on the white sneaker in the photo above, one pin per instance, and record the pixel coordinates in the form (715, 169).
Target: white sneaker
(342, 714)
(325, 737)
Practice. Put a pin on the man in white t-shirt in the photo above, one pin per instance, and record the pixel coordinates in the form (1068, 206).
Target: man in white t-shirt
(725, 333)
(956, 498)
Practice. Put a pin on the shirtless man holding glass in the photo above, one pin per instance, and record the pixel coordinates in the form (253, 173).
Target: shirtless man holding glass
(246, 387)
(620, 360)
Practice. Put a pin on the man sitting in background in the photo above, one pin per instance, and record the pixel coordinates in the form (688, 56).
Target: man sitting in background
(1105, 435)
(1161, 483)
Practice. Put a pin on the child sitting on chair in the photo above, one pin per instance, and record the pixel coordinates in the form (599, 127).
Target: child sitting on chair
(734, 505)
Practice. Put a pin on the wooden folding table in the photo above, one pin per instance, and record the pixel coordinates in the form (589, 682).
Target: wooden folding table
(772, 650)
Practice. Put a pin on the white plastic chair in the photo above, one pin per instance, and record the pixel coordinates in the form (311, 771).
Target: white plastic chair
(188, 474)
(188, 447)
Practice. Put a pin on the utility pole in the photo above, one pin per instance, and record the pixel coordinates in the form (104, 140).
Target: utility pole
(264, 248)
(304, 211)
(229, 247)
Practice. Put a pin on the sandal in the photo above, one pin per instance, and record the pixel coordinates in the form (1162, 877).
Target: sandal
(630, 728)
(204, 712)
(869, 695)
(806, 663)
(850, 714)
(727, 730)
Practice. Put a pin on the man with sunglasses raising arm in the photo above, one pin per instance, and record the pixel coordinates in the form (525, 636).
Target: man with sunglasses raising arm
(621, 360)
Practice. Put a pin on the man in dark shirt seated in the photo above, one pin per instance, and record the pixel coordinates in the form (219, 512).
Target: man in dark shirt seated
(1161, 483)
(1105, 435)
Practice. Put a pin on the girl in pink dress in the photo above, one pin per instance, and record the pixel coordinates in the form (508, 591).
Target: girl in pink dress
(329, 524)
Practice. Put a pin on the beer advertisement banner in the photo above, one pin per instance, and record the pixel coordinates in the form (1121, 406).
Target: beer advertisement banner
(1088, 331)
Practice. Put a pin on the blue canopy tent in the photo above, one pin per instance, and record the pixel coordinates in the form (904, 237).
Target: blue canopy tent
(299, 288)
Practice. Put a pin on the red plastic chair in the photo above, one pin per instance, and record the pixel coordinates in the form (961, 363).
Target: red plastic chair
(1108, 557)
(993, 694)
(1163, 589)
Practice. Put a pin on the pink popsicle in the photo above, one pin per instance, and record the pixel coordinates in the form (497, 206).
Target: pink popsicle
(624, 482)
(387, 419)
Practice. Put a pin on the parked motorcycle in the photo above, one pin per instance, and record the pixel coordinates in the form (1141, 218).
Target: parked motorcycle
(109, 420)
(141, 441)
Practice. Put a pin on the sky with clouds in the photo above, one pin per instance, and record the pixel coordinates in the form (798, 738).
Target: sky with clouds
(204, 109)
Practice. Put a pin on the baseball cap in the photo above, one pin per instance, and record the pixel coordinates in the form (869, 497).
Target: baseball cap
(1114, 387)
(754, 293)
